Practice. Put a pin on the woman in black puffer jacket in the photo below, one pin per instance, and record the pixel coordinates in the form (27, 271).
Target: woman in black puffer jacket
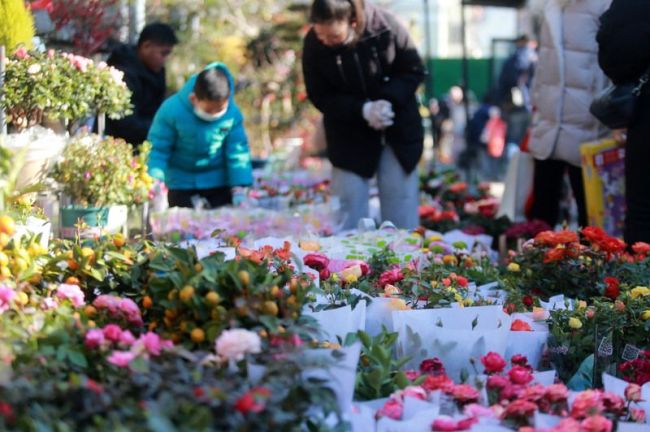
(362, 71)
(624, 55)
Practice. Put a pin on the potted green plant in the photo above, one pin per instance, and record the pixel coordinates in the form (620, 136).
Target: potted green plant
(98, 179)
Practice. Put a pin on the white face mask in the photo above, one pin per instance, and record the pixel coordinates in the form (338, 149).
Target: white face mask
(209, 117)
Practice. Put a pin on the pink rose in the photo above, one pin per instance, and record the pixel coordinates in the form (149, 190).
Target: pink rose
(497, 382)
(415, 392)
(392, 409)
(437, 382)
(448, 424)
(519, 410)
(94, 338)
(596, 423)
(121, 358)
(412, 375)
(638, 415)
(520, 375)
(512, 391)
(316, 261)
(21, 53)
(6, 296)
(567, 425)
(493, 363)
(130, 309)
(464, 394)
(72, 293)
(127, 338)
(390, 277)
(477, 411)
(613, 403)
(587, 403)
(533, 393)
(112, 332)
(557, 393)
(633, 393)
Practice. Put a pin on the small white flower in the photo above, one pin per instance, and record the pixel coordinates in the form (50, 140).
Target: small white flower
(235, 344)
(34, 69)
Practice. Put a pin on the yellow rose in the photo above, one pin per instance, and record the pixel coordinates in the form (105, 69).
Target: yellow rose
(468, 302)
(582, 305)
(575, 323)
(351, 274)
(645, 316)
(640, 291)
(458, 298)
(391, 290)
(398, 305)
(513, 267)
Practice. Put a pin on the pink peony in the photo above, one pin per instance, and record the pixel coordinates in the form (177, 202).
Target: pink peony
(72, 293)
(392, 409)
(596, 423)
(121, 358)
(109, 302)
(130, 309)
(127, 338)
(94, 338)
(112, 332)
(152, 343)
(493, 363)
(520, 375)
(6, 296)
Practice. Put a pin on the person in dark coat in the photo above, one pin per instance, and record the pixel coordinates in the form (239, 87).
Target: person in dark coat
(362, 71)
(144, 74)
(624, 56)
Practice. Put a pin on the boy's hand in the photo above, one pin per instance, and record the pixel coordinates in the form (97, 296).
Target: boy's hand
(239, 195)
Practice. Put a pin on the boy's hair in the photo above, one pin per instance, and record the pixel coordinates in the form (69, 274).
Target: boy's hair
(323, 11)
(159, 34)
(213, 85)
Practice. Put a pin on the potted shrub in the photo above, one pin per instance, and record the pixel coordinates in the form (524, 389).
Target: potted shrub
(99, 178)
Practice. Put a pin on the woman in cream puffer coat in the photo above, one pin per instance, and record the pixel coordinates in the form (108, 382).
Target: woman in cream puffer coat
(567, 79)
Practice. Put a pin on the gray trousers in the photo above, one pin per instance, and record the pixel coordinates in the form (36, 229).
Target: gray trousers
(398, 193)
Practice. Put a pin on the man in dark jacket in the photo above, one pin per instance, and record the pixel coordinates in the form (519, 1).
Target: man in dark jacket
(144, 74)
(624, 56)
(362, 71)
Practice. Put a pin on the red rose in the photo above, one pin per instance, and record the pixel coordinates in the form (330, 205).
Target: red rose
(198, 392)
(390, 277)
(253, 401)
(7, 412)
(520, 325)
(553, 255)
(462, 281)
(512, 392)
(520, 375)
(528, 301)
(612, 289)
(520, 360)
(316, 261)
(493, 363)
(432, 367)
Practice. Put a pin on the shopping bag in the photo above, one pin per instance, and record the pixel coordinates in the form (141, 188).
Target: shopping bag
(603, 172)
(518, 186)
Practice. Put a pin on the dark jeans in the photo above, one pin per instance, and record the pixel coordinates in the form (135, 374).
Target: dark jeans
(547, 191)
(216, 197)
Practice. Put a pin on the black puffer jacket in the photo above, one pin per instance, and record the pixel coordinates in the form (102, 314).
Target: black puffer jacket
(148, 90)
(624, 55)
(383, 64)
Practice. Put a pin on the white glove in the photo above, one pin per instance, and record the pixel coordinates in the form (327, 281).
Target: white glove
(379, 114)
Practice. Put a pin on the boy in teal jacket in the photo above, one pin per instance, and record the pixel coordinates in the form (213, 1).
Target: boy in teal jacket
(199, 146)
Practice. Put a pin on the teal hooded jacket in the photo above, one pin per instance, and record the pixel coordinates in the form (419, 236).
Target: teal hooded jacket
(191, 153)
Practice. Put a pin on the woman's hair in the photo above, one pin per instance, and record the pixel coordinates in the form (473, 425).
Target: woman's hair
(323, 11)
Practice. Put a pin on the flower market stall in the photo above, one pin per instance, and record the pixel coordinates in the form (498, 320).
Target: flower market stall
(266, 316)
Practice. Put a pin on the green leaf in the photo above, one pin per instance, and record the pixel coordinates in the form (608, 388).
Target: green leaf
(78, 359)
(401, 380)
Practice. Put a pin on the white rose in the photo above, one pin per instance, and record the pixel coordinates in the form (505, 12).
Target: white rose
(235, 344)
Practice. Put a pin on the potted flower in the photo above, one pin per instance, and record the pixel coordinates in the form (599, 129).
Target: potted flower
(98, 178)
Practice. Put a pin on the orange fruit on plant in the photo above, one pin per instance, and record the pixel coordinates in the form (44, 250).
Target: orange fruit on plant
(4, 260)
(90, 311)
(147, 303)
(73, 265)
(198, 267)
(186, 293)
(244, 278)
(5, 273)
(212, 298)
(119, 240)
(197, 335)
(7, 225)
(89, 253)
(72, 281)
(4, 240)
(270, 308)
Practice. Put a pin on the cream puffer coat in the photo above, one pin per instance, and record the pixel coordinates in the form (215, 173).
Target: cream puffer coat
(567, 79)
